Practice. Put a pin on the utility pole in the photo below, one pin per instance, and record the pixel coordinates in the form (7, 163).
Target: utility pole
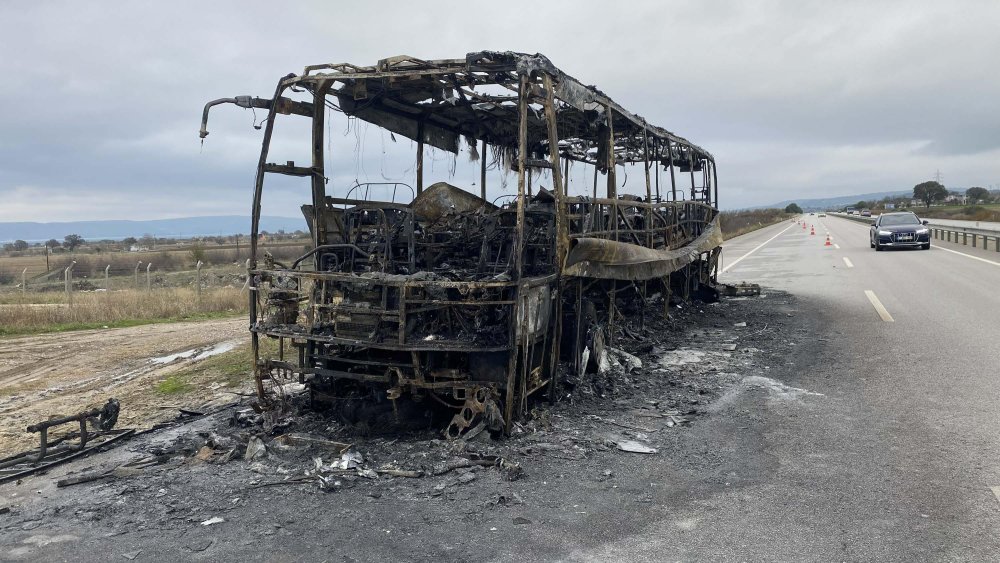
(938, 176)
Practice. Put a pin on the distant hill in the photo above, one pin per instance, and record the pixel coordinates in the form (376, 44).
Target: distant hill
(181, 227)
(838, 201)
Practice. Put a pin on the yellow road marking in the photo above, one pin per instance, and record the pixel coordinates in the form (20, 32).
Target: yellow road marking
(879, 308)
(848, 262)
(761, 245)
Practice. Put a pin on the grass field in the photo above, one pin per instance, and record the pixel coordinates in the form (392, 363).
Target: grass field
(989, 212)
(91, 264)
(32, 313)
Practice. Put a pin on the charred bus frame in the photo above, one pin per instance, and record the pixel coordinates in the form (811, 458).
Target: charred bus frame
(537, 283)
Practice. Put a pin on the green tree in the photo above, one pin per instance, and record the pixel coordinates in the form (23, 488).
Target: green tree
(929, 192)
(977, 194)
(129, 242)
(71, 242)
(20, 245)
(793, 208)
(52, 243)
(861, 205)
(198, 253)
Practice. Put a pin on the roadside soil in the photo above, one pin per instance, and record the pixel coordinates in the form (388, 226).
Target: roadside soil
(60, 374)
(568, 481)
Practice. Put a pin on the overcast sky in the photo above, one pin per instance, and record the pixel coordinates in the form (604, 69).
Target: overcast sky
(101, 101)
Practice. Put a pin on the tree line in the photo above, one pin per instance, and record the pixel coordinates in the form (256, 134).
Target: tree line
(70, 243)
(148, 242)
(931, 192)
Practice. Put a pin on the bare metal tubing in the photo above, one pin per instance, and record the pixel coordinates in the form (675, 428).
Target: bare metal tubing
(245, 102)
(204, 114)
(43, 429)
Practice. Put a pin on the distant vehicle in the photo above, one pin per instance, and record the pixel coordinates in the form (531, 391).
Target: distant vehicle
(850, 210)
(822, 215)
(901, 229)
(866, 213)
(811, 213)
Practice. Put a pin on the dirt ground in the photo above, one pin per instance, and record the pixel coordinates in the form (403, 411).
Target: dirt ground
(65, 373)
(566, 481)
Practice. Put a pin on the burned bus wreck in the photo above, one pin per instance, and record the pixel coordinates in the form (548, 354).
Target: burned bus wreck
(450, 297)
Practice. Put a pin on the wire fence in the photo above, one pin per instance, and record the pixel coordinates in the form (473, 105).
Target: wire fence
(37, 268)
(142, 276)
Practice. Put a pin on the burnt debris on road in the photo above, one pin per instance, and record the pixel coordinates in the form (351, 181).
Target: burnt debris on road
(206, 477)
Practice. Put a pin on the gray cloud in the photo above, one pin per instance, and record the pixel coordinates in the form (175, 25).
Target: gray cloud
(796, 99)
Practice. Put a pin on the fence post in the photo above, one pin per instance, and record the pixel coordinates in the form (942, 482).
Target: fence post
(107, 282)
(148, 266)
(974, 240)
(246, 284)
(24, 280)
(137, 264)
(197, 282)
(965, 238)
(68, 275)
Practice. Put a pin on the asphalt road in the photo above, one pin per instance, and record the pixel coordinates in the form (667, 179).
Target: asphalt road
(896, 459)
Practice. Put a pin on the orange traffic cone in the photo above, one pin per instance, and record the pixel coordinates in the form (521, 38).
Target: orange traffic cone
(828, 241)
(803, 225)
(812, 230)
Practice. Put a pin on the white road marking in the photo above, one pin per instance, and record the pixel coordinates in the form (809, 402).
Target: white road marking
(837, 246)
(879, 308)
(996, 492)
(848, 262)
(967, 255)
(737, 261)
